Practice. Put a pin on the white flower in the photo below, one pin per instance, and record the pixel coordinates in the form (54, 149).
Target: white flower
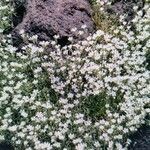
(2, 138)
(70, 95)
(119, 146)
(56, 36)
(22, 31)
(81, 32)
(110, 131)
(80, 146)
(33, 38)
(24, 114)
(12, 128)
(96, 144)
(70, 38)
(57, 144)
(71, 136)
(73, 29)
(84, 26)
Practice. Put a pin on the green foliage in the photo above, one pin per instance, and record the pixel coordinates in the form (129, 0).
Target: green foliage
(92, 2)
(104, 21)
(148, 60)
(37, 94)
(6, 12)
(94, 106)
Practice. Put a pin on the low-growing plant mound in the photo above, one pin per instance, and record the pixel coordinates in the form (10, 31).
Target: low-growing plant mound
(90, 94)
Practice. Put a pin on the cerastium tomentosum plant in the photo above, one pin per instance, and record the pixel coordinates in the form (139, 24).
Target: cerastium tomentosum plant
(90, 94)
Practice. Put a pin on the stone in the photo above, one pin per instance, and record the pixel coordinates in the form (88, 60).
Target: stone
(140, 139)
(47, 18)
(6, 146)
(125, 7)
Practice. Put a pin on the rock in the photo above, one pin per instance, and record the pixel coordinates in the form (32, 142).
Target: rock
(125, 7)
(6, 146)
(47, 18)
(141, 139)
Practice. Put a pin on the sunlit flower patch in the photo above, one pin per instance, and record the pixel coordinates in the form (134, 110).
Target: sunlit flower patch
(91, 94)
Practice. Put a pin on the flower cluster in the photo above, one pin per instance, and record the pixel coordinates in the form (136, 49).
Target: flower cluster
(6, 11)
(90, 94)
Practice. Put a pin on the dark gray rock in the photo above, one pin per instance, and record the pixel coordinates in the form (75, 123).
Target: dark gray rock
(6, 146)
(125, 7)
(141, 139)
(46, 18)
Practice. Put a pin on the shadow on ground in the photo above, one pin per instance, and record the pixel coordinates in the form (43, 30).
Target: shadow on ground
(141, 139)
(6, 146)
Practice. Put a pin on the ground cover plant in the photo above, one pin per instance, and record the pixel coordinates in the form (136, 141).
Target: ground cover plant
(90, 94)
